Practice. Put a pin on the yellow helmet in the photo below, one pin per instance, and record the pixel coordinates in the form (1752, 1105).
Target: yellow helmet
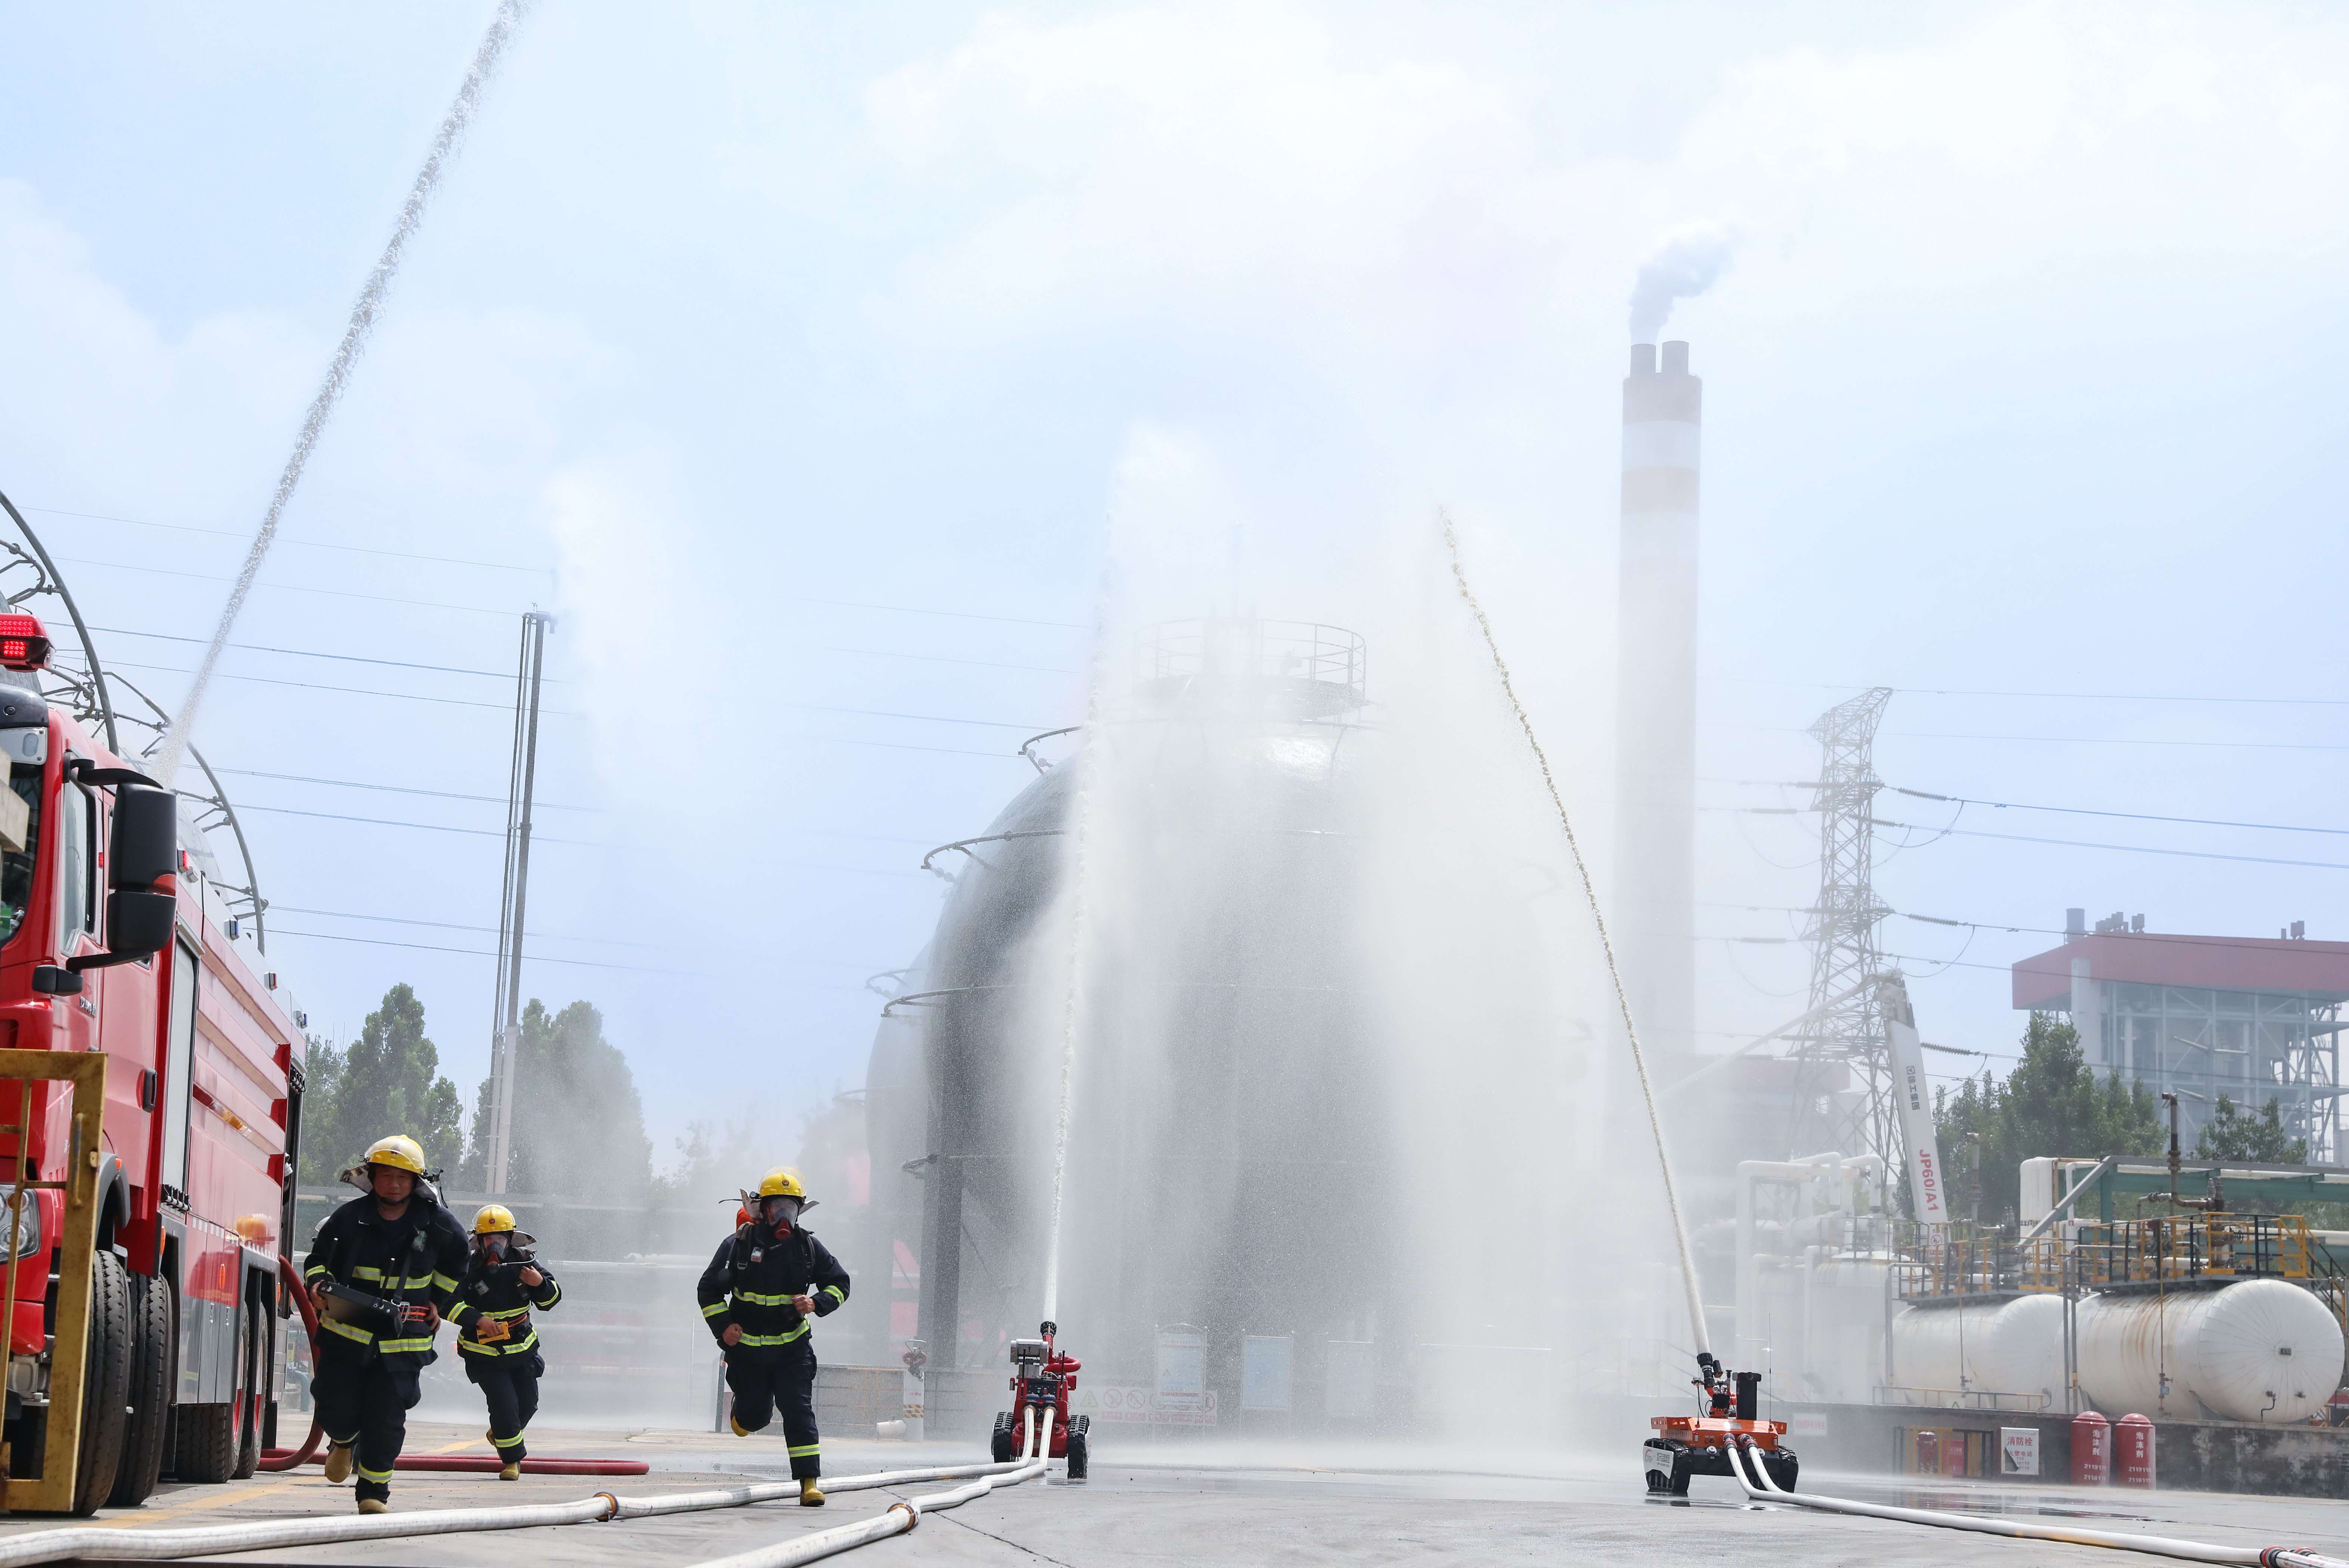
(399, 1151)
(782, 1182)
(492, 1218)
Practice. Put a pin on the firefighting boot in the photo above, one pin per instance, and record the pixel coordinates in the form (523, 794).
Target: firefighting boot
(374, 1505)
(513, 1471)
(739, 1429)
(338, 1463)
(811, 1496)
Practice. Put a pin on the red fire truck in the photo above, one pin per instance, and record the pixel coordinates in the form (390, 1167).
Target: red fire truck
(149, 1101)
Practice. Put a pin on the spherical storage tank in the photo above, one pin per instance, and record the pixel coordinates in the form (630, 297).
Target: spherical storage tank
(2257, 1350)
(1221, 1170)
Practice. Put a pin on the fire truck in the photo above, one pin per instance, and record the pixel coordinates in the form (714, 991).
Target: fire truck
(151, 1091)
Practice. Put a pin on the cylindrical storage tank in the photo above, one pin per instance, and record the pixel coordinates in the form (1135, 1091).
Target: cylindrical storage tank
(2259, 1350)
(2014, 1347)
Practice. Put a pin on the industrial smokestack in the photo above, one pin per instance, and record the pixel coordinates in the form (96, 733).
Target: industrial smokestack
(1655, 837)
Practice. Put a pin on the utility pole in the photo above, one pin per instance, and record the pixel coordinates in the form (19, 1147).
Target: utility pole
(1845, 1041)
(506, 1042)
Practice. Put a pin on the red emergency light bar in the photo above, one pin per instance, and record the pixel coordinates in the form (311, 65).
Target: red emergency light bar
(24, 642)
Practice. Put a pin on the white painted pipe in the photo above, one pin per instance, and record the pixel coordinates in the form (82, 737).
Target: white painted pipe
(2159, 1545)
(267, 1535)
(897, 1520)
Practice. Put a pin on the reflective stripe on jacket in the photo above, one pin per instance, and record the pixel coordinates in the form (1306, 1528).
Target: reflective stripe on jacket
(756, 1297)
(501, 1297)
(351, 1247)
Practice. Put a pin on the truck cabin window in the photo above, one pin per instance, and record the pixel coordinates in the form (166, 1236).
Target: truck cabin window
(16, 865)
(75, 839)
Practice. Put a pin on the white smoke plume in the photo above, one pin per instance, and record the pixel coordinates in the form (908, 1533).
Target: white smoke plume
(339, 374)
(1683, 264)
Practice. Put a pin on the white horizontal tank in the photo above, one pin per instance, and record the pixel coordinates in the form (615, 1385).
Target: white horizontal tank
(2014, 1348)
(2259, 1350)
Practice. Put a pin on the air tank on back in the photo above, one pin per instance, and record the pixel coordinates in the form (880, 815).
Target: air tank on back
(1222, 1150)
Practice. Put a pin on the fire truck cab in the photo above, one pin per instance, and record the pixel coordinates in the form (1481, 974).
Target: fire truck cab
(150, 1103)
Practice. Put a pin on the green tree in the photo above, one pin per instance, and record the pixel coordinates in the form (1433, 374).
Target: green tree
(578, 1133)
(2232, 1133)
(2050, 1104)
(386, 1081)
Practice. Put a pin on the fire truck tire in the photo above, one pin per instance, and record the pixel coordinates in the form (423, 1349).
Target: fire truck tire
(208, 1442)
(1080, 1446)
(211, 1437)
(254, 1393)
(150, 1422)
(1005, 1439)
(106, 1383)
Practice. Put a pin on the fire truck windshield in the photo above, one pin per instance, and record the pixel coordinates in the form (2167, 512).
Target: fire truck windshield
(16, 865)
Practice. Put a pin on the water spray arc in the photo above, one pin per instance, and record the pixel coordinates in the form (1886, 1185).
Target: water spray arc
(339, 371)
(1606, 944)
(1088, 764)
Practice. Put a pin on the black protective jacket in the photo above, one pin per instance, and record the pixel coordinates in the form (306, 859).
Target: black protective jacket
(353, 1249)
(753, 1277)
(500, 1324)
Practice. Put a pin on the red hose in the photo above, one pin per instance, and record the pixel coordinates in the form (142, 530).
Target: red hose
(529, 1467)
(282, 1459)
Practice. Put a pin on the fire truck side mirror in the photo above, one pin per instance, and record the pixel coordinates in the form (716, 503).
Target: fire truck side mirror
(139, 924)
(51, 981)
(143, 847)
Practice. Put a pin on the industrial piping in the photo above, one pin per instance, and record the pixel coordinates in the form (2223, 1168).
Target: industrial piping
(2159, 1545)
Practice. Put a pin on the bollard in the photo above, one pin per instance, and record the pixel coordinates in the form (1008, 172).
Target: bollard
(2133, 1446)
(2092, 1449)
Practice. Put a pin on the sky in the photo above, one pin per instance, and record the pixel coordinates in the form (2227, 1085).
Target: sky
(802, 362)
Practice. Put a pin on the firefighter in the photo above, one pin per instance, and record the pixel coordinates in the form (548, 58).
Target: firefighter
(397, 1245)
(770, 1278)
(498, 1342)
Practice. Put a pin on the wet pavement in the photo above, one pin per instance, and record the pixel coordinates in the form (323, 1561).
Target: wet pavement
(1223, 1503)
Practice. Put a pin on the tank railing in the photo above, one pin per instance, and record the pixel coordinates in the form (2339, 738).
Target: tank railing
(1278, 650)
(1951, 1261)
(2193, 1247)
(1956, 1260)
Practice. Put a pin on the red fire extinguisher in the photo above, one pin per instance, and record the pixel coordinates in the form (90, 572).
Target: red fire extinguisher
(2092, 1449)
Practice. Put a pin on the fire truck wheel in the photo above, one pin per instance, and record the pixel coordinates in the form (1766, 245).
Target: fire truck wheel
(150, 1422)
(1080, 1446)
(1006, 1436)
(106, 1383)
(254, 1392)
(211, 1437)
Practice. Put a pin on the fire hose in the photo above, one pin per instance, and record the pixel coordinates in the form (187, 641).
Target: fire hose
(1769, 1490)
(262, 1535)
(290, 1459)
(899, 1518)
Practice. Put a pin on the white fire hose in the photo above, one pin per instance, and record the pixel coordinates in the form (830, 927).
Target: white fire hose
(2160, 1545)
(265, 1535)
(902, 1517)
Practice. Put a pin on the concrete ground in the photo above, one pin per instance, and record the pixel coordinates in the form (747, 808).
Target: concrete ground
(1222, 1503)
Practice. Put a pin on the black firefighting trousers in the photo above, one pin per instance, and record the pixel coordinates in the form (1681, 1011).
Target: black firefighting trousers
(510, 1384)
(767, 1376)
(364, 1400)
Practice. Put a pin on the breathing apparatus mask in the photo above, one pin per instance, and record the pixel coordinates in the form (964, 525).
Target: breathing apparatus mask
(781, 1214)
